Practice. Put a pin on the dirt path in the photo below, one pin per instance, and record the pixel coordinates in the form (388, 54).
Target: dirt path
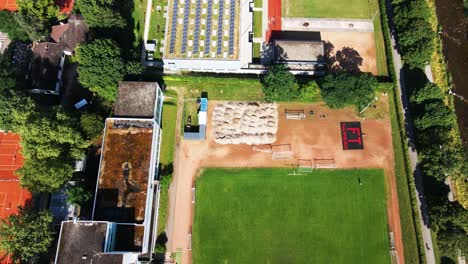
(312, 138)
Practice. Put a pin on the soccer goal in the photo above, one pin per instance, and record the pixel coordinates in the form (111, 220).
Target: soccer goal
(281, 152)
(305, 165)
(262, 148)
(294, 114)
(324, 163)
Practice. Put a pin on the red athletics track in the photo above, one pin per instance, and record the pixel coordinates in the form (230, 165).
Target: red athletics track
(274, 17)
(11, 193)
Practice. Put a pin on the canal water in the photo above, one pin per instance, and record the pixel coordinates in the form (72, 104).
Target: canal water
(454, 35)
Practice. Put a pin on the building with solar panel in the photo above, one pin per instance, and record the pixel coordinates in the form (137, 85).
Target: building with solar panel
(208, 35)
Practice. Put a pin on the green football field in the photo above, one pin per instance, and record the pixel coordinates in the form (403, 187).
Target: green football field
(267, 216)
(327, 9)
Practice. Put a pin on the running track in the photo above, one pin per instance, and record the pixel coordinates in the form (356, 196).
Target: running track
(274, 17)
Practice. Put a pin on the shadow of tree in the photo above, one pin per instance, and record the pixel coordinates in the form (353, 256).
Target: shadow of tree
(347, 59)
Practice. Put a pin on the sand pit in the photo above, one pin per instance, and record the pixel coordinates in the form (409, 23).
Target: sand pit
(245, 123)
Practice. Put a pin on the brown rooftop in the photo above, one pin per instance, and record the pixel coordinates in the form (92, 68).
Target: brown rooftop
(124, 169)
(298, 50)
(136, 99)
(45, 65)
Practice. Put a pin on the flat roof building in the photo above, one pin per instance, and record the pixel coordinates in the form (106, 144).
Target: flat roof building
(127, 191)
(299, 54)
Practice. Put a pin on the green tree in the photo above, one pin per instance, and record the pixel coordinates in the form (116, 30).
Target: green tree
(343, 89)
(27, 234)
(429, 92)
(29, 25)
(78, 194)
(452, 238)
(9, 26)
(134, 68)
(51, 142)
(43, 10)
(434, 114)
(100, 67)
(309, 93)
(415, 34)
(91, 124)
(280, 85)
(100, 13)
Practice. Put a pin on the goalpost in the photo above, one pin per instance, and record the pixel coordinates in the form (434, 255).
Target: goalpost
(305, 165)
(324, 163)
(294, 114)
(281, 152)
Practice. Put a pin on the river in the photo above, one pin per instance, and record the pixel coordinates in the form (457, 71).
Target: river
(454, 35)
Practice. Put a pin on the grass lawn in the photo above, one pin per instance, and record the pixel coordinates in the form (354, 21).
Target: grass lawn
(405, 187)
(218, 88)
(256, 51)
(138, 14)
(330, 9)
(169, 116)
(267, 216)
(257, 24)
(258, 3)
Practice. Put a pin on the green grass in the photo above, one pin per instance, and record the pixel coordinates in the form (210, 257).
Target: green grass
(405, 187)
(267, 216)
(169, 116)
(380, 47)
(218, 88)
(257, 24)
(258, 3)
(256, 51)
(138, 14)
(328, 9)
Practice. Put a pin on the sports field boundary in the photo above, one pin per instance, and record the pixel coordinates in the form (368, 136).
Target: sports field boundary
(411, 232)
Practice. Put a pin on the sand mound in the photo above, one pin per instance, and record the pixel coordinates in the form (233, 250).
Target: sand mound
(245, 123)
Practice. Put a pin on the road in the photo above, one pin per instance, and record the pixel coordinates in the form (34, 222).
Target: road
(413, 155)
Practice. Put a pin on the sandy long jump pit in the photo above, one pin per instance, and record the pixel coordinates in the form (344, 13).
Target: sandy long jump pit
(245, 123)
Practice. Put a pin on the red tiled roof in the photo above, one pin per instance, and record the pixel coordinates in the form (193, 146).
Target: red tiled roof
(11, 193)
(66, 6)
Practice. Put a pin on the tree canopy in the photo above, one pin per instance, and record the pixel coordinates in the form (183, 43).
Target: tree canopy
(10, 26)
(280, 85)
(27, 234)
(51, 142)
(415, 34)
(430, 91)
(42, 10)
(100, 67)
(100, 13)
(343, 89)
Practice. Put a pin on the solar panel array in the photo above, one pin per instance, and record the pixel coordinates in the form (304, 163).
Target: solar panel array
(185, 29)
(197, 27)
(220, 26)
(209, 17)
(232, 26)
(174, 26)
(223, 9)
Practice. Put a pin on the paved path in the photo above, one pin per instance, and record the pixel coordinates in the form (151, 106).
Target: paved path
(147, 20)
(413, 155)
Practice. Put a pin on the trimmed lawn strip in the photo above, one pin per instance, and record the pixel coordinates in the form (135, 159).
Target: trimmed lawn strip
(218, 88)
(138, 14)
(258, 3)
(272, 217)
(256, 51)
(380, 48)
(405, 187)
(169, 116)
(257, 24)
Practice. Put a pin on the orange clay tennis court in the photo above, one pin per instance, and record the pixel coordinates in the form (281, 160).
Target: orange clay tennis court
(11, 193)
